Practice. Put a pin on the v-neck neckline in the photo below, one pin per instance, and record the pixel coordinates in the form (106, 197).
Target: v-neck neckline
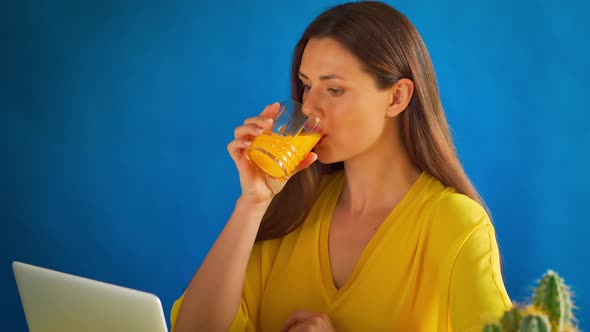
(332, 292)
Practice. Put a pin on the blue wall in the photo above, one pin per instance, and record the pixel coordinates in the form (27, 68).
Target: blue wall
(115, 115)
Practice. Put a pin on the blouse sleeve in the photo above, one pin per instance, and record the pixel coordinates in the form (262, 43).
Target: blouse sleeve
(477, 294)
(259, 265)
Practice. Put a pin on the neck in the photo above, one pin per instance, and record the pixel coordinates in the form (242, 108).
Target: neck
(379, 178)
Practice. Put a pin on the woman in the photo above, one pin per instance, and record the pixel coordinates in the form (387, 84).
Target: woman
(385, 232)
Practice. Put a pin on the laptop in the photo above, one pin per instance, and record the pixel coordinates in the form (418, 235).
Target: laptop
(54, 301)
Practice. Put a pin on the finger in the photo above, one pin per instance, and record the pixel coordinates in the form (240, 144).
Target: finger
(296, 317)
(271, 110)
(306, 162)
(245, 131)
(236, 148)
(260, 121)
(299, 327)
(317, 322)
(265, 119)
(309, 325)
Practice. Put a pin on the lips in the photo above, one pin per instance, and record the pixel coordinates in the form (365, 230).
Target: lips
(321, 139)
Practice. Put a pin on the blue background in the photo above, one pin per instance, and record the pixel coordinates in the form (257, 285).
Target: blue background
(115, 115)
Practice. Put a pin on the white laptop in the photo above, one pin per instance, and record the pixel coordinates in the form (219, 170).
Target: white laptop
(55, 301)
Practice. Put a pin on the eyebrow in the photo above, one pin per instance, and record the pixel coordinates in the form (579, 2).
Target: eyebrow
(324, 77)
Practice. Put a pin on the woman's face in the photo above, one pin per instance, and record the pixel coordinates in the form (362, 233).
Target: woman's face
(351, 108)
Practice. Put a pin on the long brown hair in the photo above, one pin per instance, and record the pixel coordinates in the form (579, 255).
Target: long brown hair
(390, 48)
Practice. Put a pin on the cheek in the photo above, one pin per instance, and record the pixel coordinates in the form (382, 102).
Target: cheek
(363, 115)
(358, 129)
(354, 117)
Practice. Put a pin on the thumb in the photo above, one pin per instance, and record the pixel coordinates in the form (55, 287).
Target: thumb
(296, 317)
(306, 162)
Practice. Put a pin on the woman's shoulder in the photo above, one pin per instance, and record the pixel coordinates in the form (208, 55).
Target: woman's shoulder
(453, 204)
(456, 214)
(450, 219)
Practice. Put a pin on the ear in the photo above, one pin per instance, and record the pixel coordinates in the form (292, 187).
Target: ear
(401, 94)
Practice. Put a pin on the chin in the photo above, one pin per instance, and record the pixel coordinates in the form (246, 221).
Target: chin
(325, 157)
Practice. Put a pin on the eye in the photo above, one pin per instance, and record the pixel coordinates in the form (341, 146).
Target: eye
(305, 87)
(335, 92)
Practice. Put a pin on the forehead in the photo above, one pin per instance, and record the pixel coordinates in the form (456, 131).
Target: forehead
(326, 56)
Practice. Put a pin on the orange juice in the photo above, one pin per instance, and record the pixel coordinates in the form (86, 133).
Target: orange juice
(277, 155)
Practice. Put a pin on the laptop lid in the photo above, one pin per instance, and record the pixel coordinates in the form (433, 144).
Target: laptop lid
(54, 301)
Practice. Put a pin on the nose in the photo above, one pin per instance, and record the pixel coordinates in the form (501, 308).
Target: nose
(308, 110)
(311, 105)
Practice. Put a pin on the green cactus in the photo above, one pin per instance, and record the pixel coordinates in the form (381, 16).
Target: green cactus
(492, 327)
(553, 297)
(535, 322)
(551, 309)
(511, 320)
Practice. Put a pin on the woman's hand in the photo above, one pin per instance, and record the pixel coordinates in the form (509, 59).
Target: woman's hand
(307, 321)
(256, 187)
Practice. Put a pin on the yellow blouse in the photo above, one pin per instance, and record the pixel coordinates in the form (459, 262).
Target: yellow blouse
(433, 265)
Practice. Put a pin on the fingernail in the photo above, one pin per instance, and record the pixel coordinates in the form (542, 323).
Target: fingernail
(247, 143)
